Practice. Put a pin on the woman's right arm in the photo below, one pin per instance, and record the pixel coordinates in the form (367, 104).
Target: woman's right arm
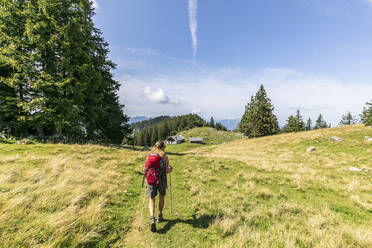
(168, 168)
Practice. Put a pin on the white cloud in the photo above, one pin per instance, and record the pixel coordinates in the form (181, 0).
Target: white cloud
(224, 93)
(368, 1)
(196, 111)
(95, 4)
(158, 96)
(193, 24)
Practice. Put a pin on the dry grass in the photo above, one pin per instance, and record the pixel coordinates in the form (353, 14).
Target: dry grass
(53, 196)
(270, 192)
(265, 192)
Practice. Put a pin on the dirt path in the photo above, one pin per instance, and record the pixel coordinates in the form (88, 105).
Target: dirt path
(185, 227)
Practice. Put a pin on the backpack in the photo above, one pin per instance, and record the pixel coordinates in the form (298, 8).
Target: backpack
(152, 168)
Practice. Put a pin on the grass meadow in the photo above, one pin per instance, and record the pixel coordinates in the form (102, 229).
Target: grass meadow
(263, 192)
(66, 195)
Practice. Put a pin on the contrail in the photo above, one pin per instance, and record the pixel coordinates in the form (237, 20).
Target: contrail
(193, 24)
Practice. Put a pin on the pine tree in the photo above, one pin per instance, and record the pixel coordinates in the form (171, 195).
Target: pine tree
(154, 136)
(308, 125)
(60, 71)
(348, 119)
(258, 118)
(220, 127)
(166, 130)
(9, 111)
(160, 131)
(211, 122)
(148, 137)
(16, 72)
(141, 139)
(366, 116)
(183, 124)
(320, 123)
(294, 123)
(291, 125)
(300, 122)
(163, 130)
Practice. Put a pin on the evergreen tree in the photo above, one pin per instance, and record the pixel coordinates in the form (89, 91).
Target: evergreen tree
(308, 125)
(320, 123)
(14, 85)
(60, 71)
(366, 116)
(9, 111)
(166, 130)
(211, 122)
(141, 139)
(172, 126)
(220, 127)
(258, 118)
(300, 122)
(154, 136)
(348, 119)
(182, 125)
(146, 123)
(148, 137)
(294, 123)
(163, 130)
(160, 131)
(291, 125)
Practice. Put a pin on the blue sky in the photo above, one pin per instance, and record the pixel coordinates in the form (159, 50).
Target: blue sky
(209, 56)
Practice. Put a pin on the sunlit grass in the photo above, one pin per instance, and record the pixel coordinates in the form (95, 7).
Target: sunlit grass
(264, 192)
(270, 192)
(63, 196)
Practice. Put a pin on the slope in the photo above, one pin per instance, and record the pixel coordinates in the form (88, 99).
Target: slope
(270, 192)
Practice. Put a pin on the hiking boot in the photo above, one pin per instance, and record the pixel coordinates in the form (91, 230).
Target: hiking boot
(160, 218)
(153, 224)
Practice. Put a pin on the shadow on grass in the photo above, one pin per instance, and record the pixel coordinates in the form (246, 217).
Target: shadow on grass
(132, 148)
(176, 153)
(203, 221)
(4, 141)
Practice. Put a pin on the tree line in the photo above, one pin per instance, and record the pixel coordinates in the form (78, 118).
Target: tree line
(259, 120)
(218, 126)
(55, 75)
(138, 126)
(165, 128)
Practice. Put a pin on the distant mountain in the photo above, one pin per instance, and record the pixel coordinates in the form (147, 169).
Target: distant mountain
(137, 119)
(230, 124)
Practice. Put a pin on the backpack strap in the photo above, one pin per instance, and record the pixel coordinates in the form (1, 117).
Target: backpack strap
(144, 176)
(145, 171)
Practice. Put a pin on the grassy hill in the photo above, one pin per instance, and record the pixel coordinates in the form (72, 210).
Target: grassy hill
(264, 192)
(211, 136)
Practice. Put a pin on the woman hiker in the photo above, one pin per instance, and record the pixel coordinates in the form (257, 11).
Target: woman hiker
(156, 168)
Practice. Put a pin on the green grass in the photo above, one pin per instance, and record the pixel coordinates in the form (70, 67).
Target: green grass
(219, 204)
(265, 192)
(211, 136)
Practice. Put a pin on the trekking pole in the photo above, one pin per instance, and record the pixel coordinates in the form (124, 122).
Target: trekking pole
(143, 205)
(170, 187)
